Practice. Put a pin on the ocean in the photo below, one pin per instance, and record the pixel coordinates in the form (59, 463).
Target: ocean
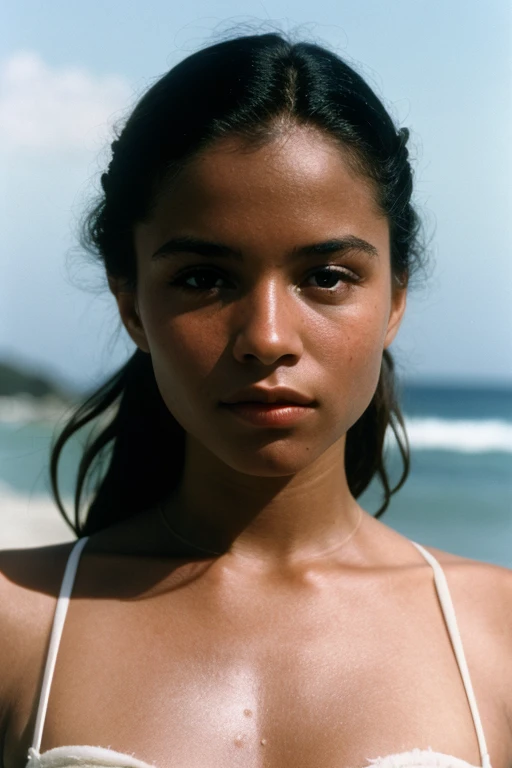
(458, 496)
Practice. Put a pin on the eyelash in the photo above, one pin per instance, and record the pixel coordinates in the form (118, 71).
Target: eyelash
(179, 280)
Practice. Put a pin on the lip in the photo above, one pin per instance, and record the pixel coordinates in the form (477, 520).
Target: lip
(268, 414)
(270, 395)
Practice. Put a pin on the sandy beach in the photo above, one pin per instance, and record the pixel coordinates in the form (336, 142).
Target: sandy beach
(31, 522)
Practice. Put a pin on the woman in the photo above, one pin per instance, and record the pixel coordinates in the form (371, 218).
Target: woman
(232, 603)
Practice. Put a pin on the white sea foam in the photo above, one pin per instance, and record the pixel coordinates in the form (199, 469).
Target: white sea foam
(466, 436)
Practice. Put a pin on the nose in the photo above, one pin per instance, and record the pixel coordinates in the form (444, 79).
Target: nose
(268, 324)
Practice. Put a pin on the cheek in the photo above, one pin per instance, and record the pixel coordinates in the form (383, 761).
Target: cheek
(184, 352)
(353, 337)
(349, 358)
(181, 342)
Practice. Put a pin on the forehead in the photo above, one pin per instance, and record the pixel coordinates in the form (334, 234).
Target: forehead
(300, 184)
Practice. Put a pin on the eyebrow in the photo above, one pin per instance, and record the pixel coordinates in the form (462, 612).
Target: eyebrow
(188, 244)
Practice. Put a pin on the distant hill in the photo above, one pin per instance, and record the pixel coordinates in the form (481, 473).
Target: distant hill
(15, 380)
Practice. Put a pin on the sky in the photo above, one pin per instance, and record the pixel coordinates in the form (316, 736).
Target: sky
(70, 70)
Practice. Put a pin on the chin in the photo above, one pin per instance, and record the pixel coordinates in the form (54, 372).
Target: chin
(282, 457)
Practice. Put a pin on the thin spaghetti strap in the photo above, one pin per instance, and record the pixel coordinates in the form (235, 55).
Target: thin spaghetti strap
(56, 634)
(453, 629)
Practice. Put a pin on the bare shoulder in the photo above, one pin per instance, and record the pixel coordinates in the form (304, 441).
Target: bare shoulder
(495, 581)
(486, 587)
(29, 584)
(482, 595)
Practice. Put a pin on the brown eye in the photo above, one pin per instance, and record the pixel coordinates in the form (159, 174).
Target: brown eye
(204, 279)
(328, 277)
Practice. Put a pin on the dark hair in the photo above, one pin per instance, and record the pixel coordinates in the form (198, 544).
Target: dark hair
(246, 87)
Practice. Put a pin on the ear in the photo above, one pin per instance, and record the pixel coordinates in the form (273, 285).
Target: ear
(126, 299)
(398, 303)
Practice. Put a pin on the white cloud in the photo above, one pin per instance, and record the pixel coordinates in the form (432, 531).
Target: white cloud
(48, 108)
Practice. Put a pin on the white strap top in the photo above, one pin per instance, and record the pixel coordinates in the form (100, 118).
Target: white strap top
(85, 756)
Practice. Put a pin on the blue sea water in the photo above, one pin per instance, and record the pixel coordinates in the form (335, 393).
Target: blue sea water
(458, 496)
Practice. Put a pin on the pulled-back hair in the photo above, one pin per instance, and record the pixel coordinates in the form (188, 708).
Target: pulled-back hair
(244, 87)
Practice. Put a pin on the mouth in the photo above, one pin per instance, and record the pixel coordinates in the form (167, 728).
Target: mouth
(262, 404)
(281, 396)
(279, 414)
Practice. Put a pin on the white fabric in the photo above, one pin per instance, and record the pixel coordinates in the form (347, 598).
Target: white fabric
(101, 757)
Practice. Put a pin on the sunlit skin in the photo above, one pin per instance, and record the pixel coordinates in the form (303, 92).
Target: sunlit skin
(293, 649)
(269, 318)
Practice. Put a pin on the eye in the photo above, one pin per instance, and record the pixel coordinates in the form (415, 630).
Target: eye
(204, 278)
(327, 277)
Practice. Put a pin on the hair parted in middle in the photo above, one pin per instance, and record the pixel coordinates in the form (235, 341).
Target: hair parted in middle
(251, 87)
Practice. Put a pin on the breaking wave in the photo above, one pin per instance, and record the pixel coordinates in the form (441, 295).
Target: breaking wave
(466, 436)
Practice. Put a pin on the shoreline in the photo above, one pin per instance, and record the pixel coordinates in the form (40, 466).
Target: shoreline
(27, 522)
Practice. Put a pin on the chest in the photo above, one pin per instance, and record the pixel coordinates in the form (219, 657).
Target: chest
(304, 682)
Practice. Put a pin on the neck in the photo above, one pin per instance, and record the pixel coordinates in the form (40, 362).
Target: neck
(282, 519)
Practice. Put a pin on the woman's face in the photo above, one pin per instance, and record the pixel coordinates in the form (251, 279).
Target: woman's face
(260, 306)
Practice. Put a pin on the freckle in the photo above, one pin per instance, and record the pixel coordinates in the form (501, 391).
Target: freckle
(263, 742)
(247, 712)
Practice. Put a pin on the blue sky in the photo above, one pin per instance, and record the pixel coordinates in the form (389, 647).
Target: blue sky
(68, 70)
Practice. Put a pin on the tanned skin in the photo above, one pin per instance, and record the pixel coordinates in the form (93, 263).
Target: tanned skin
(295, 648)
